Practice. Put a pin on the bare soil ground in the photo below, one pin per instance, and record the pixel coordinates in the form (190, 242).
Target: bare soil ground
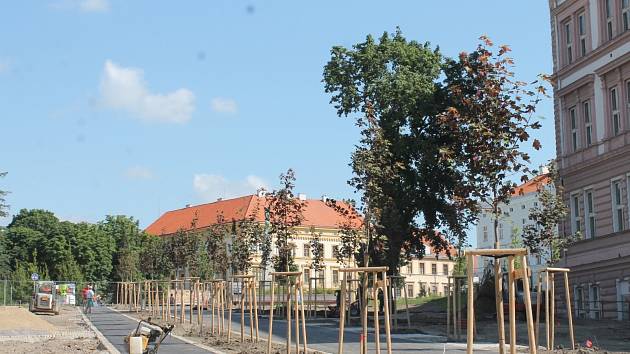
(24, 332)
(607, 336)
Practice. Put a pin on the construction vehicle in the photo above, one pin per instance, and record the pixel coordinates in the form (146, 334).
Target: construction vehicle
(45, 297)
(147, 337)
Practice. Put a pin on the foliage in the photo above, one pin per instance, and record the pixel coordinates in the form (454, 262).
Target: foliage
(155, 262)
(350, 232)
(489, 115)
(542, 236)
(391, 88)
(215, 238)
(127, 236)
(439, 137)
(317, 251)
(5, 257)
(285, 214)
(247, 233)
(3, 205)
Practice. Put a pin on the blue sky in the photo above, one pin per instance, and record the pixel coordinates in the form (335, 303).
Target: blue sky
(138, 107)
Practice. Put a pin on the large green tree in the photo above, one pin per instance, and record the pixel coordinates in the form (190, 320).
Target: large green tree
(390, 87)
(127, 235)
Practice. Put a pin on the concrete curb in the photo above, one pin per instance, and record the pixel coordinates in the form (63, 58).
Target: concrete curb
(106, 343)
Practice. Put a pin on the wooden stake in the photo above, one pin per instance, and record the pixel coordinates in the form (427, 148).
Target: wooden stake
(242, 312)
(288, 316)
(569, 313)
(448, 308)
(297, 318)
(552, 314)
(547, 327)
(512, 304)
(528, 307)
(471, 309)
(250, 305)
(270, 317)
(375, 306)
(305, 348)
(498, 287)
(342, 313)
(387, 328)
(256, 309)
(230, 305)
(538, 300)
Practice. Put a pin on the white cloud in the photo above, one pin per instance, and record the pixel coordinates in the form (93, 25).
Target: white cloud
(125, 89)
(223, 105)
(94, 5)
(211, 187)
(139, 173)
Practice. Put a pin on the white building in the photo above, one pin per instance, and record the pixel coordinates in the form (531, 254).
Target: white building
(514, 217)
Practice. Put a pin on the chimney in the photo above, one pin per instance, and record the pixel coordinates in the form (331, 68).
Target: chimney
(302, 196)
(219, 199)
(261, 193)
(188, 205)
(324, 198)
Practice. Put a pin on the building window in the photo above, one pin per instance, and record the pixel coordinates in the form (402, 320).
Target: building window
(614, 108)
(617, 206)
(625, 14)
(433, 268)
(575, 214)
(335, 277)
(589, 213)
(609, 18)
(535, 204)
(595, 304)
(575, 143)
(307, 250)
(580, 311)
(445, 269)
(523, 221)
(434, 289)
(411, 267)
(409, 290)
(421, 269)
(582, 33)
(628, 100)
(335, 251)
(511, 210)
(568, 38)
(485, 233)
(501, 231)
(307, 274)
(523, 206)
(586, 106)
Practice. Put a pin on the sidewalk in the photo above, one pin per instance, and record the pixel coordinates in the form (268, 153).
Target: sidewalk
(114, 326)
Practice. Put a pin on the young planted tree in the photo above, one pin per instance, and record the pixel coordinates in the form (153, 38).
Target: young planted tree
(285, 214)
(542, 236)
(351, 233)
(317, 251)
(489, 115)
(216, 248)
(247, 234)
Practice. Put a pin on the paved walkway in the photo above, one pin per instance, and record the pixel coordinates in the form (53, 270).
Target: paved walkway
(115, 327)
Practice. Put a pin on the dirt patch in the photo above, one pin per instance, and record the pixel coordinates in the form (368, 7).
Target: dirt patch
(17, 320)
(24, 332)
(54, 346)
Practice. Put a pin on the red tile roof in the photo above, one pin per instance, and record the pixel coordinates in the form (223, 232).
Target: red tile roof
(531, 185)
(316, 214)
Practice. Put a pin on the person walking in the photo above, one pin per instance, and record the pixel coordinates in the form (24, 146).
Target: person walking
(89, 295)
